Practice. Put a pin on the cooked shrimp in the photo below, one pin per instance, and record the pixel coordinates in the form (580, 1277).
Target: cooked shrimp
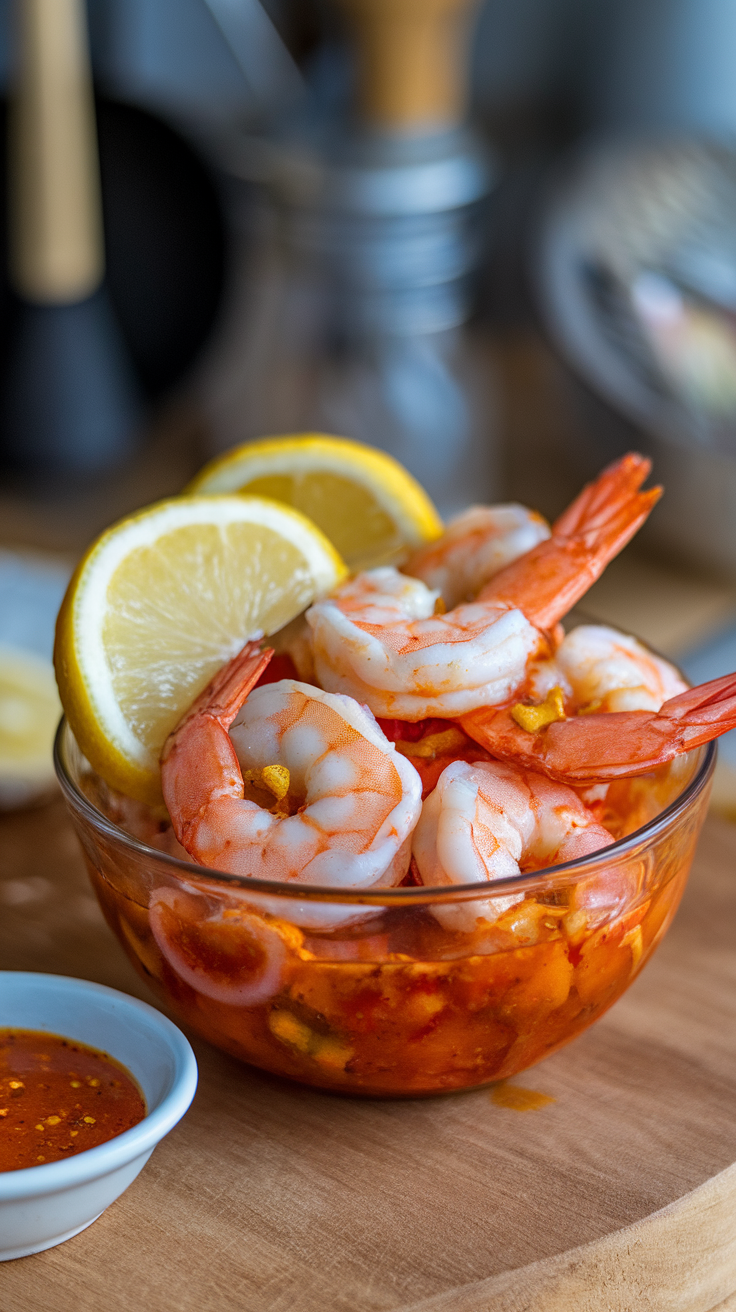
(331, 801)
(431, 745)
(491, 821)
(415, 665)
(384, 597)
(475, 546)
(599, 747)
(548, 581)
(378, 639)
(600, 669)
(597, 669)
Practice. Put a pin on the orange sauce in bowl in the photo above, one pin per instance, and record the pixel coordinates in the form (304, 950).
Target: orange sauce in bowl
(59, 1097)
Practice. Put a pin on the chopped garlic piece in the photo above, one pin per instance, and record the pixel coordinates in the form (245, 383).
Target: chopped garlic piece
(533, 718)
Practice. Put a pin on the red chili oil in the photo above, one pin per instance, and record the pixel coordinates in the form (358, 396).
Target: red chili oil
(59, 1097)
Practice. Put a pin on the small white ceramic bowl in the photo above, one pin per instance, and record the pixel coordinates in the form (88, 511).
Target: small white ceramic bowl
(44, 1205)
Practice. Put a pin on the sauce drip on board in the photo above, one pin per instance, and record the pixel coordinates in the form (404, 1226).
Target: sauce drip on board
(59, 1097)
(518, 1099)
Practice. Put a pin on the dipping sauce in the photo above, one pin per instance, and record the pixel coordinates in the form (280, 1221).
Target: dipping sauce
(58, 1097)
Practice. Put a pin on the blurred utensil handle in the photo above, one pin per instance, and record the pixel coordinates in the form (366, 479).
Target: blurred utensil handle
(412, 62)
(263, 59)
(56, 236)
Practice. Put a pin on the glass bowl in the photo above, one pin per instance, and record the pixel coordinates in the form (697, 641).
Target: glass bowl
(390, 992)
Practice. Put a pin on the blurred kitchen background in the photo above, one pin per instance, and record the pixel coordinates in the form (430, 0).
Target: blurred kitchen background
(496, 238)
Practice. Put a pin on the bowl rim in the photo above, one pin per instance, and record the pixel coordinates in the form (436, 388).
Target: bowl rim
(387, 897)
(92, 1163)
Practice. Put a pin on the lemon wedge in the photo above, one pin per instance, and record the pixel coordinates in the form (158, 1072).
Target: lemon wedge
(159, 602)
(29, 714)
(364, 501)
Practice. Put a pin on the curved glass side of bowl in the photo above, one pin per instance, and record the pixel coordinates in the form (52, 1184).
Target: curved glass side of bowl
(401, 992)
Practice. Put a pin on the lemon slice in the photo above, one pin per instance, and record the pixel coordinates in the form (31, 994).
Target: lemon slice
(160, 601)
(364, 501)
(29, 714)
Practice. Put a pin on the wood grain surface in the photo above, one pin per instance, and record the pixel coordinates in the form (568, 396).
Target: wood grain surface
(620, 1194)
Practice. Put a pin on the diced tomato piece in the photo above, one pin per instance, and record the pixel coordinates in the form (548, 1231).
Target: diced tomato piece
(404, 731)
(280, 666)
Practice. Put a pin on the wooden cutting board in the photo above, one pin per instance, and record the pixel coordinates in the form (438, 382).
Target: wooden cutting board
(618, 1192)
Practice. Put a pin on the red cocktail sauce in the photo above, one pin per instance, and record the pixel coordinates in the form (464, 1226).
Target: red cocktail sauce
(58, 1097)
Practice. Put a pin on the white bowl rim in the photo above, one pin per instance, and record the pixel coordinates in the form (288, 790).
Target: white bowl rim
(92, 1163)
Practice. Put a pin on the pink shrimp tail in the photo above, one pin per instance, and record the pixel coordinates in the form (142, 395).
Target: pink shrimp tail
(199, 748)
(225, 694)
(547, 582)
(705, 712)
(591, 749)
